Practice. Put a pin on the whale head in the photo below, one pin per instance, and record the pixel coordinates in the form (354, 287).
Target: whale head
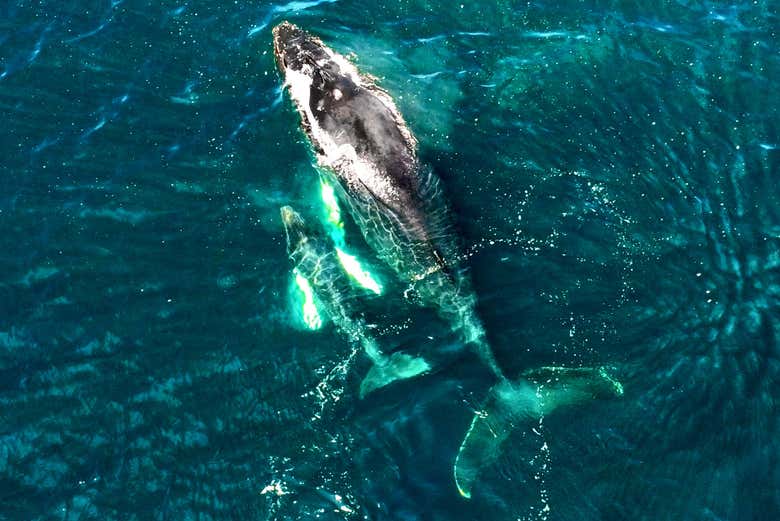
(296, 49)
(294, 227)
(320, 81)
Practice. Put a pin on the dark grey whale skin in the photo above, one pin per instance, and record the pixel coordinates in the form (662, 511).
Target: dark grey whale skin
(398, 205)
(358, 116)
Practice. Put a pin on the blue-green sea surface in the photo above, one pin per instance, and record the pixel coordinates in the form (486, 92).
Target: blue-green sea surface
(612, 168)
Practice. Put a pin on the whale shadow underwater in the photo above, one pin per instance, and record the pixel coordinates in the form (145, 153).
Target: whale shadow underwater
(367, 153)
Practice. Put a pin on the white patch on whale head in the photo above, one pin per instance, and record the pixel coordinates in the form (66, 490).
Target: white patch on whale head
(346, 67)
(337, 94)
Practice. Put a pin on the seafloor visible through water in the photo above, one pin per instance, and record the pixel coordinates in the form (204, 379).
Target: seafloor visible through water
(613, 170)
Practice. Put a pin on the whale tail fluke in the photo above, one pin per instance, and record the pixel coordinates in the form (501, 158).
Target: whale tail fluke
(561, 386)
(508, 404)
(397, 366)
(511, 404)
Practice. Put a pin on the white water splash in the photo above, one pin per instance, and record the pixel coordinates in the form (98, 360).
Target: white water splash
(290, 7)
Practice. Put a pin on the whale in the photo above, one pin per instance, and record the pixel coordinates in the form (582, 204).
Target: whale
(364, 146)
(319, 273)
(366, 151)
(521, 403)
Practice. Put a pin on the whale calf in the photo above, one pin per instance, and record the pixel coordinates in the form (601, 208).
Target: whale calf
(369, 155)
(316, 262)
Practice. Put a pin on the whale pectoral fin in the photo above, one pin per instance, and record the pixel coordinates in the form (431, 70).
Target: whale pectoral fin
(513, 404)
(397, 366)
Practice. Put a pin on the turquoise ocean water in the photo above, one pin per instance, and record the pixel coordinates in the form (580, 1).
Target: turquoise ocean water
(613, 171)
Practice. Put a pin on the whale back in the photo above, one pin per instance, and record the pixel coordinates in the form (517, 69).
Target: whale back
(355, 116)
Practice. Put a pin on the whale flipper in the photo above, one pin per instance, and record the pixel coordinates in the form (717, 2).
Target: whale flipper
(387, 370)
(511, 404)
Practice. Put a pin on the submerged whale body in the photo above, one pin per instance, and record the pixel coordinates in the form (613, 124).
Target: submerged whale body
(369, 154)
(316, 262)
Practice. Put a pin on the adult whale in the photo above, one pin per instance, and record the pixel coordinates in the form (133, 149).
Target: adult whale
(369, 154)
(361, 139)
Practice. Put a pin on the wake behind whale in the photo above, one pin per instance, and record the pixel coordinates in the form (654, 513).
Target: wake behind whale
(369, 155)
